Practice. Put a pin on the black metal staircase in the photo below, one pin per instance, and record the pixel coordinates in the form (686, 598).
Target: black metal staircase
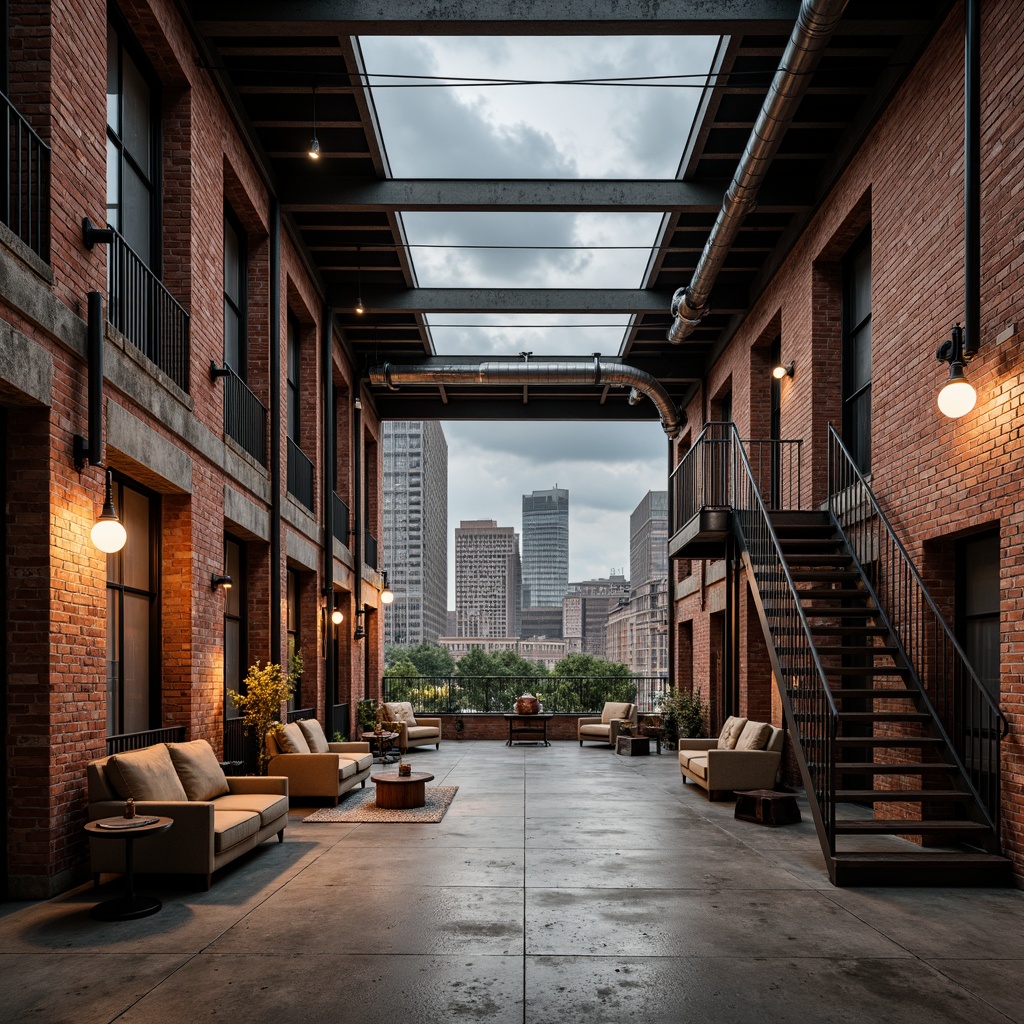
(894, 733)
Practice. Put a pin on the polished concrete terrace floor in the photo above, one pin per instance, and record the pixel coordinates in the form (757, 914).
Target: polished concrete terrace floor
(563, 885)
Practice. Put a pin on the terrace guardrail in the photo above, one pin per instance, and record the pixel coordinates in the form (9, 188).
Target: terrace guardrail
(124, 741)
(370, 553)
(245, 417)
(26, 191)
(300, 475)
(146, 313)
(341, 514)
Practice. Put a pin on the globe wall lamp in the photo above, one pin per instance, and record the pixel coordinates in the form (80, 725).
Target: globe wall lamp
(109, 534)
(957, 396)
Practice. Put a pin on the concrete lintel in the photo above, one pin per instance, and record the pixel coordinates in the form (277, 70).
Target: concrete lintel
(144, 446)
(26, 368)
(245, 517)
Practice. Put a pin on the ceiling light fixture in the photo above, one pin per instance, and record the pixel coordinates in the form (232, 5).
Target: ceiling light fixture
(957, 396)
(360, 308)
(314, 144)
(108, 534)
(781, 371)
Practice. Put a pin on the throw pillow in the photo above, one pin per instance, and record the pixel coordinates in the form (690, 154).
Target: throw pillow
(755, 736)
(400, 711)
(198, 769)
(314, 734)
(146, 774)
(290, 739)
(731, 732)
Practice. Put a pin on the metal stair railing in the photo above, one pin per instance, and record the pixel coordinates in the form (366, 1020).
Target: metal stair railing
(806, 698)
(968, 716)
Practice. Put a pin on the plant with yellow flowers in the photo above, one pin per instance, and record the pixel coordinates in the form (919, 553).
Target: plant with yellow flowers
(267, 688)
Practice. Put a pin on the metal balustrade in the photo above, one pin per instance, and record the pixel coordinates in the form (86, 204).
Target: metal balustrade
(370, 554)
(300, 475)
(968, 713)
(146, 313)
(124, 741)
(25, 202)
(245, 417)
(341, 515)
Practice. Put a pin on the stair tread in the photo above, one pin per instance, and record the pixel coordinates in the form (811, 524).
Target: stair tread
(889, 827)
(884, 716)
(827, 629)
(897, 795)
(924, 856)
(889, 741)
(866, 670)
(875, 692)
(893, 768)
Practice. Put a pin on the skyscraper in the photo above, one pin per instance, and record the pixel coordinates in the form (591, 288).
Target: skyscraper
(415, 541)
(545, 548)
(488, 579)
(648, 539)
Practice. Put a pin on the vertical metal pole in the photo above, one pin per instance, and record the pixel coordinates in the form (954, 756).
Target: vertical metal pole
(275, 429)
(357, 523)
(972, 176)
(327, 397)
(94, 355)
(670, 617)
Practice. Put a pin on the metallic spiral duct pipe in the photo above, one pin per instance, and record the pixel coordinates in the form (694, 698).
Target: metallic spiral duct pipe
(814, 27)
(535, 372)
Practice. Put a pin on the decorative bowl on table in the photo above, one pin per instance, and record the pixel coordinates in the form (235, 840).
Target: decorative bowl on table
(527, 705)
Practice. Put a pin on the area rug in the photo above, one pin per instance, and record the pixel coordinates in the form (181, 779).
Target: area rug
(360, 806)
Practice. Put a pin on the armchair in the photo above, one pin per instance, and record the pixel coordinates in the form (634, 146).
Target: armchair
(412, 731)
(606, 728)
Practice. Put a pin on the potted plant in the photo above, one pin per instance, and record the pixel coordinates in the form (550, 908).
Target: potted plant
(267, 688)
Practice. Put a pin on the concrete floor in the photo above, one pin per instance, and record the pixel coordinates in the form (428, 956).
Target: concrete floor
(563, 885)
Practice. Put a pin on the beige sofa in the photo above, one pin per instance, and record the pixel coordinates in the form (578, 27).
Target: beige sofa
(606, 728)
(314, 767)
(412, 731)
(216, 819)
(746, 755)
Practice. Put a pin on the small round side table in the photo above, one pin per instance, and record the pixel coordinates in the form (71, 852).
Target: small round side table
(129, 906)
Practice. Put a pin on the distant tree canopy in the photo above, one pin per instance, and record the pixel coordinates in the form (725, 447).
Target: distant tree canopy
(429, 659)
(590, 665)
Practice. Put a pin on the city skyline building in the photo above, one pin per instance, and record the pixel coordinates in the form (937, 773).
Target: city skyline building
(488, 579)
(415, 530)
(648, 539)
(545, 547)
(585, 611)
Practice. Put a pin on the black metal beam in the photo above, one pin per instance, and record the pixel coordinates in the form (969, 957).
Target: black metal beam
(510, 406)
(492, 17)
(523, 300)
(316, 192)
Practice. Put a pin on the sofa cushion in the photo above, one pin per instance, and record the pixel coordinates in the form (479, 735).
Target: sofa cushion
(755, 736)
(686, 756)
(346, 767)
(604, 731)
(198, 769)
(730, 732)
(290, 739)
(233, 827)
(361, 761)
(698, 765)
(423, 732)
(614, 709)
(314, 734)
(269, 806)
(146, 774)
(400, 711)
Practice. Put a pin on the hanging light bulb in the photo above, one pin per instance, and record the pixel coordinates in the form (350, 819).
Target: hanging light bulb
(360, 308)
(957, 396)
(387, 595)
(337, 617)
(108, 534)
(314, 144)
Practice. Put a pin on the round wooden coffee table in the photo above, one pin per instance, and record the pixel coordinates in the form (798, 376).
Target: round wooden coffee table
(397, 792)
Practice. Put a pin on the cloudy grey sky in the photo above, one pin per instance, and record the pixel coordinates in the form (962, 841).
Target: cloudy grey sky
(540, 131)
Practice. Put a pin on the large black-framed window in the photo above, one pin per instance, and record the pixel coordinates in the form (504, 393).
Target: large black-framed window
(133, 614)
(977, 610)
(293, 618)
(133, 146)
(235, 296)
(856, 271)
(294, 379)
(235, 639)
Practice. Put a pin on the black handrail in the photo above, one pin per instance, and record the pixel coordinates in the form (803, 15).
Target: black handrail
(245, 417)
(121, 742)
(300, 475)
(971, 719)
(25, 203)
(146, 313)
(802, 682)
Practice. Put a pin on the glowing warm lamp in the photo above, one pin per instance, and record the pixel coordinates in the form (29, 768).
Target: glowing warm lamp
(957, 396)
(360, 308)
(314, 148)
(108, 534)
(781, 371)
(336, 617)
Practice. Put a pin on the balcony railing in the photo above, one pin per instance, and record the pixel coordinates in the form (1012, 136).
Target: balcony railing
(300, 475)
(26, 196)
(146, 313)
(340, 519)
(138, 740)
(245, 417)
(703, 478)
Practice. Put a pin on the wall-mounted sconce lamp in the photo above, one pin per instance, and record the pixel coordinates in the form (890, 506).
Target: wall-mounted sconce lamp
(360, 632)
(387, 594)
(330, 609)
(957, 396)
(218, 371)
(108, 533)
(314, 143)
(220, 582)
(781, 371)
(337, 617)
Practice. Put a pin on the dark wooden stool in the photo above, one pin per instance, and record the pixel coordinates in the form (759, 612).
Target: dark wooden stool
(767, 807)
(632, 746)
